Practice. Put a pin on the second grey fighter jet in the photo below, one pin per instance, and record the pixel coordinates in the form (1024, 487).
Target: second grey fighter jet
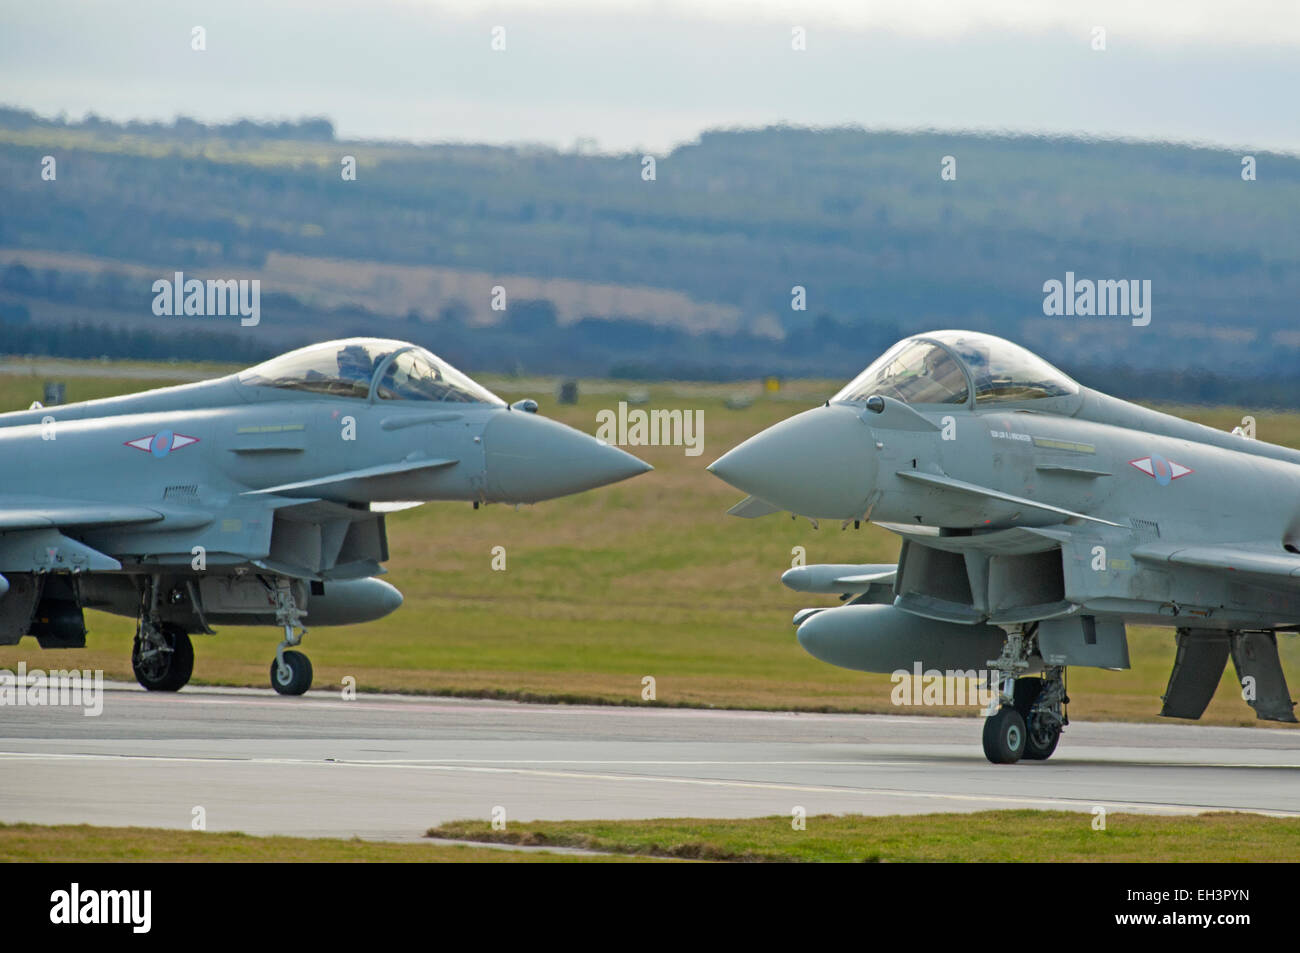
(1037, 518)
(258, 498)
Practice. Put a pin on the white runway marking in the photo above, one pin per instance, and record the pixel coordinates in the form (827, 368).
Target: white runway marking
(392, 767)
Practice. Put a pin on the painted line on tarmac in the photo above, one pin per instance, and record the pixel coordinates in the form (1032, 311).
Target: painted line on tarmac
(899, 761)
(1075, 804)
(902, 762)
(264, 698)
(395, 701)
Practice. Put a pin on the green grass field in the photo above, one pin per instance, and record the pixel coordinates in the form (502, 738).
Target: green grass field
(647, 577)
(989, 836)
(82, 843)
(986, 836)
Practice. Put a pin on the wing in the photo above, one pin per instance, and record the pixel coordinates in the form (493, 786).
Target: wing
(351, 484)
(972, 489)
(34, 512)
(32, 537)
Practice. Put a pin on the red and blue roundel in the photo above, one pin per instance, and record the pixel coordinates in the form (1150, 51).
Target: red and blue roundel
(1163, 470)
(162, 443)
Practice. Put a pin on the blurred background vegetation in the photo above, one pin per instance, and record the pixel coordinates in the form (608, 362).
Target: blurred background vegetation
(688, 276)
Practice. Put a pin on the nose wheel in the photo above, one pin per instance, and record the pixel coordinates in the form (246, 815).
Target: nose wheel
(290, 671)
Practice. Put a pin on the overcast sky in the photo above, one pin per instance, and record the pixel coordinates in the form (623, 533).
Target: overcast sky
(634, 74)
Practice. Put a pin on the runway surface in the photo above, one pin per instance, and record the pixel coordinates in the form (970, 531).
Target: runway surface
(390, 767)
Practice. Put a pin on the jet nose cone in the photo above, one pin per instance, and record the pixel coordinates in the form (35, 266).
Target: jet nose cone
(530, 458)
(818, 463)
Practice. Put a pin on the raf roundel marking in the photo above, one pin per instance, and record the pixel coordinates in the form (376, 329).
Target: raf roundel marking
(162, 443)
(1164, 471)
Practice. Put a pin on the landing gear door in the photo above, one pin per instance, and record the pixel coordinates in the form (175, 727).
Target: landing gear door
(1083, 640)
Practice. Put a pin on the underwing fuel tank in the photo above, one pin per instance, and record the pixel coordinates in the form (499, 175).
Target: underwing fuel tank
(348, 601)
(880, 638)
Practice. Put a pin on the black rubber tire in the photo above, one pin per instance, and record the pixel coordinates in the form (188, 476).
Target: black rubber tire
(170, 675)
(300, 673)
(1036, 750)
(1004, 736)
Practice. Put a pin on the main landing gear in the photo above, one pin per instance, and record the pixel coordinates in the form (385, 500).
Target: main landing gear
(162, 655)
(1031, 712)
(291, 671)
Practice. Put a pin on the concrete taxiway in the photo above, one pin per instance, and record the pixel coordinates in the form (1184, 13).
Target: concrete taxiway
(392, 766)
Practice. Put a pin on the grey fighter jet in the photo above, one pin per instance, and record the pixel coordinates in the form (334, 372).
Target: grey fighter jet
(1037, 518)
(258, 498)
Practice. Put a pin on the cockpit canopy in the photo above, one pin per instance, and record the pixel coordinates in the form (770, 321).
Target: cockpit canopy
(360, 367)
(944, 367)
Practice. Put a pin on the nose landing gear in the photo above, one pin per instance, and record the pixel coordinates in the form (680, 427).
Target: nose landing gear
(291, 672)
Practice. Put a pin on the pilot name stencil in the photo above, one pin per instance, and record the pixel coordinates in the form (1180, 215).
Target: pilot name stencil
(1011, 435)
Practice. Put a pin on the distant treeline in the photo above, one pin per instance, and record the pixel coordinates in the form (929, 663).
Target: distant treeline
(313, 129)
(39, 303)
(587, 349)
(862, 222)
(82, 340)
(529, 339)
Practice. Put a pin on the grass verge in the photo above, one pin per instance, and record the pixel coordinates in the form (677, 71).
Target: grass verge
(83, 843)
(997, 836)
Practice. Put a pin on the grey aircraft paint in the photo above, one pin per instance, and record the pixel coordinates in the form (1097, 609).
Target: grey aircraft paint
(1038, 515)
(257, 498)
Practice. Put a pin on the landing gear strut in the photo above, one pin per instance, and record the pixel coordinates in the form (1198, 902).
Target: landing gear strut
(1041, 702)
(291, 671)
(1031, 711)
(162, 655)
